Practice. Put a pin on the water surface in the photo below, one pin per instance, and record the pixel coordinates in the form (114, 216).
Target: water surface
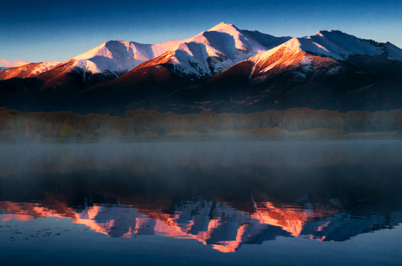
(203, 203)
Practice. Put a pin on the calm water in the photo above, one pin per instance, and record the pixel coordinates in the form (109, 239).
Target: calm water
(204, 203)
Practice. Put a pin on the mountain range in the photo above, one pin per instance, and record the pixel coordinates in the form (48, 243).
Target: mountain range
(223, 69)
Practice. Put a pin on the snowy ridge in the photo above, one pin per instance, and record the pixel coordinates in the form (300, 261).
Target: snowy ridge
(289, 54)
(223, 46)
(344, 45)
(217, 49)
(203, 55)
(323, 52)
(28, 70)
(208, 53)
(336, 45)
(45, 66)
(266, 40)
(120, 56)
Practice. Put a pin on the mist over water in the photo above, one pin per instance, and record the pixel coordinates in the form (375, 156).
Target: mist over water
(206, 197)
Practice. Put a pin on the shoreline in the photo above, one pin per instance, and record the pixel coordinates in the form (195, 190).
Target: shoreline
(220, 137)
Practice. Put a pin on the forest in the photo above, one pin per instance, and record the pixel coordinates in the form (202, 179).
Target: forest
(148, 124)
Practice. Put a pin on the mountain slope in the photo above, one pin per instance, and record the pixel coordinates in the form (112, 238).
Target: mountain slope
(215, 50)
(303, 73)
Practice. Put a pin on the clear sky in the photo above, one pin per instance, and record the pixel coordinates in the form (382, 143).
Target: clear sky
(50, 30)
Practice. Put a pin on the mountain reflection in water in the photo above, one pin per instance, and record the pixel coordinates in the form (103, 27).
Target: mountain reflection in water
(221, 194)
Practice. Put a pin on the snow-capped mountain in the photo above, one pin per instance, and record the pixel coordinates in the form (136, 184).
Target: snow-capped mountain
(339, 46)
(224, 44)
(217, 49)
(331, 69)
(208, 53)
(326, 49)
(225, 67)
(119, 56)
(29, 70)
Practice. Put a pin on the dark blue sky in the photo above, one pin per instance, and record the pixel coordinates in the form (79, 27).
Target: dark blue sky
(58, 30)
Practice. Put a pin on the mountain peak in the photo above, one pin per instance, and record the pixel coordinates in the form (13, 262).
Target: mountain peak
(221, 26)
(319, 33)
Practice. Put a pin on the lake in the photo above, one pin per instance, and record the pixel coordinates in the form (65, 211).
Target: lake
(202, 203)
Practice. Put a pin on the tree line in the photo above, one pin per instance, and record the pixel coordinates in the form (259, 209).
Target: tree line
(149, 123)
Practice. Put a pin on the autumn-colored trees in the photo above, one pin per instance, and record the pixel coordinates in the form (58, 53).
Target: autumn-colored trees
(363, 121)
(142, 123)
(8, 123)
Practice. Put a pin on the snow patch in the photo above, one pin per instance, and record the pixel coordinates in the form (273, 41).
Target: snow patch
(45, 66)
(334, 70)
